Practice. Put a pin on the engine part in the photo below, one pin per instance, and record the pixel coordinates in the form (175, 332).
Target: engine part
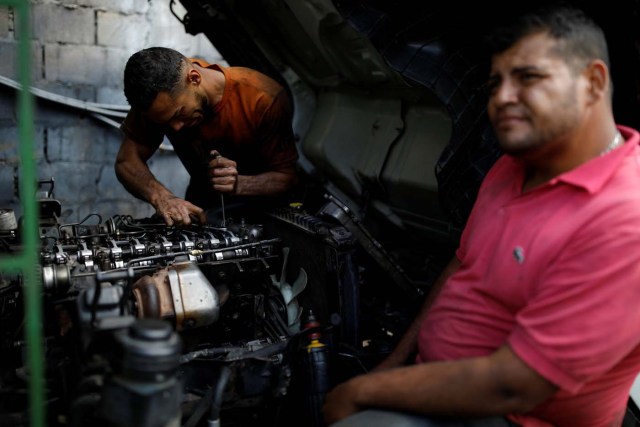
(117, 292)
(144, 391)
(316, 366)
(8, 220)
(180, 293)
(98, 277)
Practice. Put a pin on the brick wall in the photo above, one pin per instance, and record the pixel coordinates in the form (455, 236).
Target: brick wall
(79, 49)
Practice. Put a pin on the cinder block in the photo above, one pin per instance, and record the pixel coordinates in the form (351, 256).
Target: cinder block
(124, 6)
(107, 185)
(119, 30)
(38, 139)
(46, 169)
(113, 199)
(37, 62)
(6, 23)
(112, 142)
(75, 64)
(113, 95)
(114, 67)
(9, 145)
(64, 23)
(164, 165)
(168, 169)
(168, 31)
(75, 182)
(38, 143)
(100, 137)
(79, 91)
(81, 143)
(53, 114)
(9, 62)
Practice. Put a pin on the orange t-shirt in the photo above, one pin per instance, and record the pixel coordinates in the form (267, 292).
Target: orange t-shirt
(250, 125)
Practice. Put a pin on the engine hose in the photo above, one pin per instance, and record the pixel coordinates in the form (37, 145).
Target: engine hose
(216, 402)
(212, 399)
(200, 409)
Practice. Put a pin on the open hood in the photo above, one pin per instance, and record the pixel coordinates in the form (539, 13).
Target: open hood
(388, 99)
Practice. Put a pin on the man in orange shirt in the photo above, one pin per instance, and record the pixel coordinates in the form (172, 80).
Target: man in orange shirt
(230, 127)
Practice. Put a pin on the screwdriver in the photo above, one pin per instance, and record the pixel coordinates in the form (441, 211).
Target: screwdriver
(212, 156)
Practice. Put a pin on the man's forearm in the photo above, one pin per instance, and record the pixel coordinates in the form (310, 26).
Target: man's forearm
(140, 182)
(265, 184)
(498, 384)
(466, 387)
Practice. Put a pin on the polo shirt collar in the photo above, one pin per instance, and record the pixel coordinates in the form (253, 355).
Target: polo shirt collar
(593, 174)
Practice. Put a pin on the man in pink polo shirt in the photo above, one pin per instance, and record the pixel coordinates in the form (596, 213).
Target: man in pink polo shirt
(536, 320)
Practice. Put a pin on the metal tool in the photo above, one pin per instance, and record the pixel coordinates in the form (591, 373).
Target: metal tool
(212, 156)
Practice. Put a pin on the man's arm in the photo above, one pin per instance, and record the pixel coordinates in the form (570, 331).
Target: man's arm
(409, 342)
(498, 384)
(225, 179)
(134, 174)
(275, 145)
(268, 183)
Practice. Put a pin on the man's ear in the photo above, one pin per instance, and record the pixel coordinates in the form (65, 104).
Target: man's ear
(194, 77)
(598, 78)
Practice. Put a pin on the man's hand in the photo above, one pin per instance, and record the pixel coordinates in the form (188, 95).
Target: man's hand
(176, 211)
(340, 402)
(222, 173)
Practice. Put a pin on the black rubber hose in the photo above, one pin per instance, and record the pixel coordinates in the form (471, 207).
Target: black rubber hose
(216, 402)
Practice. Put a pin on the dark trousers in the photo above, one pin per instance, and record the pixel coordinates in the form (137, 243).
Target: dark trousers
(380, 418)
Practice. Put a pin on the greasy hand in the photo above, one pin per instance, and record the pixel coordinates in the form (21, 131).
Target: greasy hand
(222, 173)
(340, 402)
(176, 211)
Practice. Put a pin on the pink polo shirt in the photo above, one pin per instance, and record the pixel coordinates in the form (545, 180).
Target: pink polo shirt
(555, 274)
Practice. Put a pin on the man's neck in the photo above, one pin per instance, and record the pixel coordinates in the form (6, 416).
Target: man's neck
(556, 160)
(214, 83)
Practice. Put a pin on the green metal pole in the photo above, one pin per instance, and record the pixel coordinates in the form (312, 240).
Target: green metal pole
(32, 278)
(27, 262)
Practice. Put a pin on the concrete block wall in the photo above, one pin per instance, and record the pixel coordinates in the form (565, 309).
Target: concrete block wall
(79, 49)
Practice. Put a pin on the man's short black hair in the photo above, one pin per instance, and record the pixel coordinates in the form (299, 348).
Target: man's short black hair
(151, 71)
(580, 39)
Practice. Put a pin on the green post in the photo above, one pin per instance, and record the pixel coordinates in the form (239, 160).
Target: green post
(27, 262)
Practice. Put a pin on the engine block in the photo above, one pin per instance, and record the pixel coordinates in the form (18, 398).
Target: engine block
(151, 325)
(103, 283)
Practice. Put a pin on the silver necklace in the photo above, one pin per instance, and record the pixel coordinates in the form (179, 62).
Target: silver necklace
(617, 140)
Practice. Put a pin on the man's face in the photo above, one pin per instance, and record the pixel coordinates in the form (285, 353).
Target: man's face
(186, 108)
(535, 99)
